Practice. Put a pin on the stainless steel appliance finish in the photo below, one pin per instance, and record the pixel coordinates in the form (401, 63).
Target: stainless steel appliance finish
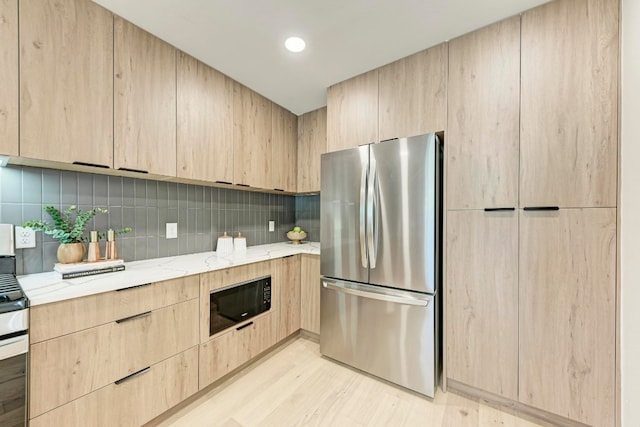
(380, 260)
(385, 332)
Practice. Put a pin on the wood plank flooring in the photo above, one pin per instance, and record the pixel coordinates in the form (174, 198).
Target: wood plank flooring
(295, 386)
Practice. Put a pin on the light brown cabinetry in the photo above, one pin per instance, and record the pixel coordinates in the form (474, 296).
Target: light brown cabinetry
(9, 82)
(310, 293)
(482, 294)
(286, 279)
(284, 149)
(484, 108)
(66, 81)
(312, 143)
(352, 112)
(251, 138)
(413, 94)
(145, 101)
(567, 313)
(204, 122)
(133, 402)
(569, 121)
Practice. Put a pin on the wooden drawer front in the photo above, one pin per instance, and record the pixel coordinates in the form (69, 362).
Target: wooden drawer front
(83, 313)
(68, 367)
(230, 350)
(132, 402)
(223, 278)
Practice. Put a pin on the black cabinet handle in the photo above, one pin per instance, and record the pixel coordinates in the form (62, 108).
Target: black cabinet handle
(499, 209)
(133, 287)
(133, 170)
(278, 189)
(223, 182)
(135, 316)
(541, 208)
(244, 326)
(135, 374)
(94, 165)
(243, 185)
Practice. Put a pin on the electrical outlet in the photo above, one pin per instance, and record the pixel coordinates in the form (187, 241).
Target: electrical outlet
(25, 238)
(172, 230)
(272, 226)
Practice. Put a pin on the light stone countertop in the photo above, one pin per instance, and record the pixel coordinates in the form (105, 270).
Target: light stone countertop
(49, 287)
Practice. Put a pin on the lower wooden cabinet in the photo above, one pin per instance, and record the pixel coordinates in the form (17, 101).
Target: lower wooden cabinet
(233, 348)
(310, 293)
(286, 280)
(134, 401)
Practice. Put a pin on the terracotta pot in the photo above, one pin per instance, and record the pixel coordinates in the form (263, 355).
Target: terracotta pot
(69, 253)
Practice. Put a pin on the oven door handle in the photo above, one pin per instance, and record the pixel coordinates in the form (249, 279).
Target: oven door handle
(14, 346)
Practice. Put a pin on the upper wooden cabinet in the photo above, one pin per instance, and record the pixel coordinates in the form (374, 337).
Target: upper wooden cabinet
(251, 138)
(284, 149)
(483, 133)
(567, 313)
(9, 81)
(569, 118)
(145, 101)
(413, 94)
(66, 81)
(204, 122)
(312, 143)
(352, 112)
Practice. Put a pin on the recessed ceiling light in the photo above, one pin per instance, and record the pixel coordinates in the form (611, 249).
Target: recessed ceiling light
(294, 44)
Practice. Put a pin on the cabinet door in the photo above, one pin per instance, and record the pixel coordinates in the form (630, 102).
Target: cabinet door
(484, 114)
(145, 101)
(413, 94)
(205, 122)
(312, 143)
(287, 281)
(310, 293)
(284, 149)
(9, 80)
(251, 138)
(482, 300)
(569, 117)
(66, 81)
(352, 112)
(567, 313)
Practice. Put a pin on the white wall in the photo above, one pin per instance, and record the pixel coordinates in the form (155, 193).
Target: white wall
(630, 212)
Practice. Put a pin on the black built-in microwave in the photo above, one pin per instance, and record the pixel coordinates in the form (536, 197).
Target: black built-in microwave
(237, 303)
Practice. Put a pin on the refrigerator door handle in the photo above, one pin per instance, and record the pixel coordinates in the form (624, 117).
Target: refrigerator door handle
(371, 206)
(375, 295)
(363, 248)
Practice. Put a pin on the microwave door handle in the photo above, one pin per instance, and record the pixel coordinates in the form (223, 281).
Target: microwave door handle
(371, 216)
(363, 188)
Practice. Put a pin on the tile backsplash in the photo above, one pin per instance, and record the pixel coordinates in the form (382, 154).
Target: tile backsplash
(202, 213)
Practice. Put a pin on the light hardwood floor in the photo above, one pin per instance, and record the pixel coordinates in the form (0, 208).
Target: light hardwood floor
(295, 386)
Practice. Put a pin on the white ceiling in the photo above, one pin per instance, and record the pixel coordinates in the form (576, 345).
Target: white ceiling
(244, 39)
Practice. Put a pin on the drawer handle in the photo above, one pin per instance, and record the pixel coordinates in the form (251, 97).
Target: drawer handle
(136, 316)
(541, 208)
(244, 326)
(499, 209)
(132, 287)
(133, 170)
(132, 376)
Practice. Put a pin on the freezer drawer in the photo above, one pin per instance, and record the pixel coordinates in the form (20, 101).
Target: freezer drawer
(385, 332)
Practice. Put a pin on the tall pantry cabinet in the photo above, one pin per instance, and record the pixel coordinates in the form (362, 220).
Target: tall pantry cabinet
(9, 81)
(531, 194)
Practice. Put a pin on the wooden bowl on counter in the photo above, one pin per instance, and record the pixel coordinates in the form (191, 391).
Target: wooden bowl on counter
(296, 237)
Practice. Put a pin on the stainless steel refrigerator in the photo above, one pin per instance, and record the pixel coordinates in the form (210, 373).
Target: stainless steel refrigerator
(380, 226)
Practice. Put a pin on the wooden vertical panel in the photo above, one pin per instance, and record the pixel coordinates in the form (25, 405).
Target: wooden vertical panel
(251, 138)
(287, 280)
(567, 313)
(484, 117)
(312, 143)
(310, 293)
(352, 112)
(66, 81)
(9, 77)
(413, 94)
(145, 101)
(284, 149)
(204, 122)
(569, 107)
(482, 300)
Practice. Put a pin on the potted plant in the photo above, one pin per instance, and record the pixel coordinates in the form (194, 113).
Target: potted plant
(69, 228)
